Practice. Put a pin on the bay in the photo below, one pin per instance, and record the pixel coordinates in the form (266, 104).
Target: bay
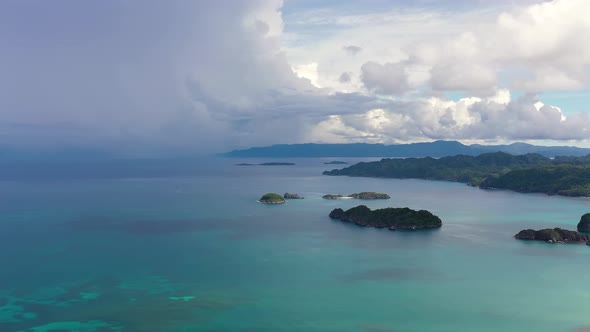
(195, 251)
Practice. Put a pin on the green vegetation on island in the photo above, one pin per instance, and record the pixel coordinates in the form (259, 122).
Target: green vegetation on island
(336, 162)
(272, 198)
(567, 176)
(564, 180)
(391, 218)
(369, 195)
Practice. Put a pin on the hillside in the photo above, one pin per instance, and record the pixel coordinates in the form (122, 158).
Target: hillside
(568, 176)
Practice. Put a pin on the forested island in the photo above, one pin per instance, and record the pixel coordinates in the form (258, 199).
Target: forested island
(369, 195)
(529, 173)
(391, 218)
(267, 164)
(272, 198)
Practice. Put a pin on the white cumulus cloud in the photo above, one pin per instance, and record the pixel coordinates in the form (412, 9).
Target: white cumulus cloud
(493, 118)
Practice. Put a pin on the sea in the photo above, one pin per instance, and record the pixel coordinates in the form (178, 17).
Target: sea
(185, 246)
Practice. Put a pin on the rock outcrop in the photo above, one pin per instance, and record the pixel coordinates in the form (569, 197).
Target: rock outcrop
(292, 196)
(584, 224)
(330, 196)
(555, 235)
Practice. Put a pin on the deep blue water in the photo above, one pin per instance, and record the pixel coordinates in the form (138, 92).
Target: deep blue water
(188, 248)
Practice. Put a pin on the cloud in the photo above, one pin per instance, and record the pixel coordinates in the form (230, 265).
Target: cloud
(532, 48)
(178, 77)
(352, 49)
(493, 118)
(462, 77)
(388, 78)
(308, 71)
(344, 78)
(158, 76)
(524, 46)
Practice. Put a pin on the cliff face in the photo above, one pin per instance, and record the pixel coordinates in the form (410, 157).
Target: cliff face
(392, 218)
(584, 224)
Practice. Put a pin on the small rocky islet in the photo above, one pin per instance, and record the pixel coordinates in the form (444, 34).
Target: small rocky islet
(559, 235)
(555, 235)
(331, 196)
(272, 198)
(336, 162)
(292, 196)
(390, 218)
(361, 195)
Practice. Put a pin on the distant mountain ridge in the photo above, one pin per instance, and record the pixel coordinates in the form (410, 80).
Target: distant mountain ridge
(430, 149)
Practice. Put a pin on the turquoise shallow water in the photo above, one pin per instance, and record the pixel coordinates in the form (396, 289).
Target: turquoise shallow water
(197, 253)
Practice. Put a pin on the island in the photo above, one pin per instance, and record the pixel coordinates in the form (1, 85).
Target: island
(391, 218)
(529, 173)
(362, 195)
(272, 198)
(266, 164)
(369, 195)
(292, 196)
(555, 235)
(584, 224)
(336, 162)
(331, 196)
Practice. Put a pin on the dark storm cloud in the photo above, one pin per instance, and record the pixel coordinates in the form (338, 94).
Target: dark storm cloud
(122, 73)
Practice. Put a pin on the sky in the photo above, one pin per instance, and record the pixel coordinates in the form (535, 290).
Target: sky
(187, 77)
